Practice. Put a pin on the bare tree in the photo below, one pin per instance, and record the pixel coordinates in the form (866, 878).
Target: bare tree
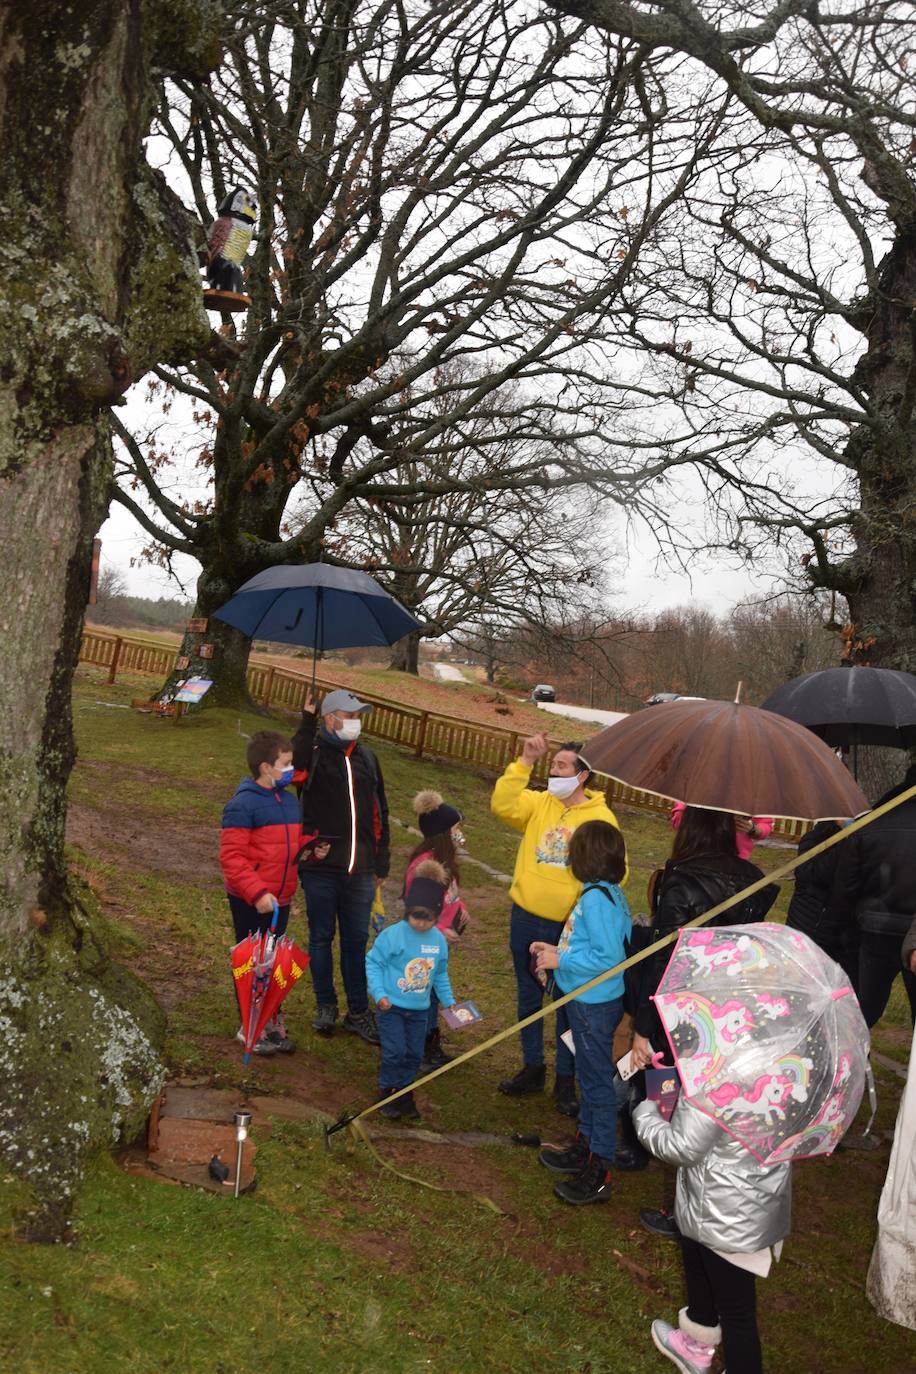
(776, 316)
(451, 199)
(98, 288)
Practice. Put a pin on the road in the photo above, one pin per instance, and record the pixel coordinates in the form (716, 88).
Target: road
(591, 714)
(446, 673)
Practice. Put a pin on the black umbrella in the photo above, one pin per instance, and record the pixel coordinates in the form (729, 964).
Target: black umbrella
(318, 606)
(847, 707)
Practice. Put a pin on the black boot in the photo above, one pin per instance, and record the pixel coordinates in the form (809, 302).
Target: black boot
(530, 1079)
(629, 1155)
(592, 1184)
(434, 1055)
(564, 1094)
(568, 1159)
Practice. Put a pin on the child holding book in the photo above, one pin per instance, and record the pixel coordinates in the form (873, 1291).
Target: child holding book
(440, 826)
(406, 962)
(592, 942)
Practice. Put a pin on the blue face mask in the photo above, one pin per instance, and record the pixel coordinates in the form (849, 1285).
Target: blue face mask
(285, 777)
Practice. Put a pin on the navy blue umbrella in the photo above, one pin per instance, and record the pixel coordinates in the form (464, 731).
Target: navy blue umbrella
(319, 607)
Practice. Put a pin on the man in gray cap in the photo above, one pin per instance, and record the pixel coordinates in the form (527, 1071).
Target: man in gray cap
(343, 804)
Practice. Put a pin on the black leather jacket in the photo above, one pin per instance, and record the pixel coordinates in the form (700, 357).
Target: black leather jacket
(686, 889)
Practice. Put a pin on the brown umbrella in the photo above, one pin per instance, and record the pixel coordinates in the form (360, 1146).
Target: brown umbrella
(727, 757)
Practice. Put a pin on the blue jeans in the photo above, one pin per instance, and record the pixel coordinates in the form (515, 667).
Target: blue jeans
(433, 1015)
(402, 1031)
(593, 1025)
(523, 928)
(344, 900)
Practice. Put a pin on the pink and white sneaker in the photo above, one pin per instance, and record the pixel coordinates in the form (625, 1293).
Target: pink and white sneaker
(690, 1356)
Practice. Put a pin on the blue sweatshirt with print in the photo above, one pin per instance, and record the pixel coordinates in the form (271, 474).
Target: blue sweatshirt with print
(593, 941)
(404, 965)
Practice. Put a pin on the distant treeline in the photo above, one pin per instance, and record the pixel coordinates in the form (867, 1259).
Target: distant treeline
(140, 613)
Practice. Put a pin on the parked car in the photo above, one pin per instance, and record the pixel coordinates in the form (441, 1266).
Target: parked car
(659, 697)
(543, 692)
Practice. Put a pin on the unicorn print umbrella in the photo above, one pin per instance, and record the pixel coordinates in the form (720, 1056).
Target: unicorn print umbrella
(767, 1036)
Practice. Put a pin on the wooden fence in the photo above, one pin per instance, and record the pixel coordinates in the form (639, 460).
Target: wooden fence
(489, 747)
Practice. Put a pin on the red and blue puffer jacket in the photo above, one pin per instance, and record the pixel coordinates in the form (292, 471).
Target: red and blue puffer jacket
(260, 842)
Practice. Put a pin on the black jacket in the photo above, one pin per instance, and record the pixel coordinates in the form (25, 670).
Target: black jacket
(819, 908)
(686, 889)
(342, 795)
(876, 871)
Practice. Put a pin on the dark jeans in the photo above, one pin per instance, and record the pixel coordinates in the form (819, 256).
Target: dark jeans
(402, 1032)
(719, 1293)
(433, 1014)
(523, 929)
(879, 964)
(247, 919)
(341, 900)
(593, 1025)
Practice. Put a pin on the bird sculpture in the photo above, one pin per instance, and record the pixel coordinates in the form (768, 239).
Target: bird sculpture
(227, 242)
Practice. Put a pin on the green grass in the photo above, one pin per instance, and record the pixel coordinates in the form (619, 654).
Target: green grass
(334, 1262)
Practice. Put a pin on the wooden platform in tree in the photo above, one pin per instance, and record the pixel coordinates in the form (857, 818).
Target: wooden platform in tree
(225, 301)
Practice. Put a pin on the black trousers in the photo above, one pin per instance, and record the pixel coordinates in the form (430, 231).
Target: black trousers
(879, 964)
(721, 1294)
(247, 919)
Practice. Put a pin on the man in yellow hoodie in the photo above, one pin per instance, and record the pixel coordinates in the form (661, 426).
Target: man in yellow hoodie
(544, 891)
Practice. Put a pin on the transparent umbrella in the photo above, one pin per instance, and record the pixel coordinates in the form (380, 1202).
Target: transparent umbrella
(767, 1036)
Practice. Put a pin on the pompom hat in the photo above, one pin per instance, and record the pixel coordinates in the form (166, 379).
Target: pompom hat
(427, 888)
(434, 815)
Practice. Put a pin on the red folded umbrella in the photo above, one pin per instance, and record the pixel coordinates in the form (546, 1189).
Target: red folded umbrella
(289, 964)
(264, 969)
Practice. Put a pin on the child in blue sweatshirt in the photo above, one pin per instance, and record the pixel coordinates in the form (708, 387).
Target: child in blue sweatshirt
(592, 941)
(407, 961)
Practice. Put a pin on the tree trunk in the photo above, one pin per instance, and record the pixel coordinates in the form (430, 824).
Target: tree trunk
(104, 285)
(405, 655)
(227, 664)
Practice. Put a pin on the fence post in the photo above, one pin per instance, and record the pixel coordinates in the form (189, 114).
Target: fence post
(421, 734)
(268, 686)
(115, 657)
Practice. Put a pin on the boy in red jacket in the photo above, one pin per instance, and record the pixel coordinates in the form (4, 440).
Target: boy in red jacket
(260, 845)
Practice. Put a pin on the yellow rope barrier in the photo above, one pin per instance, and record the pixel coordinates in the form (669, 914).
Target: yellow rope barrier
(352, 1122)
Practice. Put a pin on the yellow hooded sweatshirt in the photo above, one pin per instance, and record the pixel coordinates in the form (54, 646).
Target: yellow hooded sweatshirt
(543, 882)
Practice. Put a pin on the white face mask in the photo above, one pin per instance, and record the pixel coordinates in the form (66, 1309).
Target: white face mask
(349, 729)
(562, 787)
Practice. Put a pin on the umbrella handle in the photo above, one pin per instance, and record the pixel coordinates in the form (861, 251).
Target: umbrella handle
(657, 1058)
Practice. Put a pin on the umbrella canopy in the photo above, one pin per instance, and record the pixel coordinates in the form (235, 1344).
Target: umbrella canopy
(319, 607)
(727, 757)
(767, 1036)
(850, 706)
(264, 969)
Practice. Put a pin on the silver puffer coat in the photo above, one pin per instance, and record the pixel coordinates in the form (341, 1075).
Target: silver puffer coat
(726, 1198)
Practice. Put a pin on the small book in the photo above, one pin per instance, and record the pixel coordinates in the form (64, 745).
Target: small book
(460, 1015)
(663, 1087)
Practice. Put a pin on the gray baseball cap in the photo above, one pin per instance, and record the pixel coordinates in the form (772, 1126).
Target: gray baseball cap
(342, 700)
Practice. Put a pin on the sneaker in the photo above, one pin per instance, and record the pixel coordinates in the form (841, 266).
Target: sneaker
(530, 1079)
(591, 1184)
(281, 1042)
(434, 1055)
(660, 1221)
(363, 1024)
(565, 1159)
(564, 1095)
(325, 1019)
(682, 1350)
(401, 1109)
(629, 1155)
(391, 1111)
(263, 1046)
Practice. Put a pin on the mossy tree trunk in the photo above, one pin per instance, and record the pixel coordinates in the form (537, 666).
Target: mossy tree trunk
(99, 283)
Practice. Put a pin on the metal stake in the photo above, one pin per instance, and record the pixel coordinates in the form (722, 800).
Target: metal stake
(242, 1122)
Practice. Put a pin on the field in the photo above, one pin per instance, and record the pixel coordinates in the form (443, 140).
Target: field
(334, 1262)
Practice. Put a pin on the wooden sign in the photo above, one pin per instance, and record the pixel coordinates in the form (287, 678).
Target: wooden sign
(182, 662)
(198, 626)
(205, 651)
